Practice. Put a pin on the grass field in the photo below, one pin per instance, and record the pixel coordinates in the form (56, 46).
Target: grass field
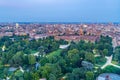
(54, 53)
(111, 69)
(116, 63)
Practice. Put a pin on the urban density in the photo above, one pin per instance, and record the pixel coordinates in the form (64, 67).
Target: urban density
(59, 39)
(59, 51)
(69, 32)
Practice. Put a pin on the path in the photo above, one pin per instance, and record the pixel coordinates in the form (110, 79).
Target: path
(7, 78)
(64, 46)
(97, 55)
(21, 69)
(115, 65)
(109, 60)
(36, 54)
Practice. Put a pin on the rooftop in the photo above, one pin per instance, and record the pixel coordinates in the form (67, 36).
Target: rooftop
(108, 76)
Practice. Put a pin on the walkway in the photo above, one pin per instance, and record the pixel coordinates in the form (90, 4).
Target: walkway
(64, 46)
(109, 60)
(115, 65)
(21, 69)
(36, 54)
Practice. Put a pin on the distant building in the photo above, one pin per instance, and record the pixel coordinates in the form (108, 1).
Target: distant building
(16, 25)
(40, 36)
(78, 38)
(108, 76)
(8, 34)
(81, 32)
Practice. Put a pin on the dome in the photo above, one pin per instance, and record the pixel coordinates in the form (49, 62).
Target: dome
(108, 76)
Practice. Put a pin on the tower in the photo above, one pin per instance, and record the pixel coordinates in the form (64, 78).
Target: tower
(16, 25)
(81, 31)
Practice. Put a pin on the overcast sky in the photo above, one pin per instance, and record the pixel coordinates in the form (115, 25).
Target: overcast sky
(59, 10)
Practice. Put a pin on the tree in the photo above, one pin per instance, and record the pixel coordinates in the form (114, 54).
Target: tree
(43, 61)
(31, 59)
(17, 59)
(79, 73)
(46, 70)
(82, 54)
(117, 54)
(5, 71)
(56, 70)
(73, 56)
(52, 77)
(27, 76)
(50, 69)
(89, 75)
(105, 52)
(25, 59)
(35, 76)
(89, 57)
(105, 42)
(18, 74)
(70, 76)
(99, 71)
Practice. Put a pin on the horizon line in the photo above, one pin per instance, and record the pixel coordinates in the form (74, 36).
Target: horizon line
(22, 22)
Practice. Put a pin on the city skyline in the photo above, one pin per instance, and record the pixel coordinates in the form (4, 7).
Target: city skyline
(60, 11)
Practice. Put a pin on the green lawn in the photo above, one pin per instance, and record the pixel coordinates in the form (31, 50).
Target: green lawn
(111, 69)
(54, 53)
(116, 63)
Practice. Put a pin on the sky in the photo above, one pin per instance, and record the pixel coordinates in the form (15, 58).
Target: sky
(59, 10)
